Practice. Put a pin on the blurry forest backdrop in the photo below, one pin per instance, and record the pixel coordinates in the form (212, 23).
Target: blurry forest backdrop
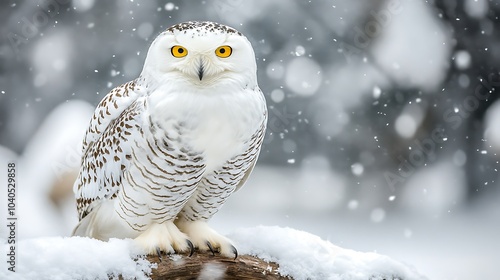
(375, 106)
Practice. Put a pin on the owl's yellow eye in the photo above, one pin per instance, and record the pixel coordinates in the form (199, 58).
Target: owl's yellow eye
(178, 51)
(223, 51)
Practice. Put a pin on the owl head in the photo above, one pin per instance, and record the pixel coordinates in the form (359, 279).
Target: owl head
(201, 53)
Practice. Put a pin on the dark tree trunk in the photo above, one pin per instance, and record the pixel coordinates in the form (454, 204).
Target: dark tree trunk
(468, 33)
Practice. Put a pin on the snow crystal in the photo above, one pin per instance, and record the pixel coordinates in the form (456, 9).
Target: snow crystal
(405, 126)
(303, 76)
(277, 95)
(376, 92)
(357, 169)
(300, 50)
(410, 119)
(462, 59)
(114, 73)
(476, 8)
(82, 5)
(169, 6)
(302, 255)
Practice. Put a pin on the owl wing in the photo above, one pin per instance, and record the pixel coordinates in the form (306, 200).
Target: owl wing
(105, 147)
(110, 107)
(253, 152)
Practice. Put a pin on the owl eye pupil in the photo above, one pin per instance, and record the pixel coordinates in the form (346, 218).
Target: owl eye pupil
(222, 50)
(180, 50)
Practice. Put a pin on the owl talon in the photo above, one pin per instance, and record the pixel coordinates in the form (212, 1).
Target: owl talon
(211, 248)
(191, 247)
(235, 252)
(158, 251)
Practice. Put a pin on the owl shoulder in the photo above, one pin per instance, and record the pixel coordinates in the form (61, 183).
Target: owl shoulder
(110, 108)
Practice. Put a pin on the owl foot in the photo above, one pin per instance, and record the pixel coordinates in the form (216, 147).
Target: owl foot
(212, 250)
(206, 239)
(189, 243)
(165, 238)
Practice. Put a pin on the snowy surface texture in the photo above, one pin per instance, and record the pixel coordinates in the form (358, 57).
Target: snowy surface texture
(306, 256)
(77, 258)
(299, 254)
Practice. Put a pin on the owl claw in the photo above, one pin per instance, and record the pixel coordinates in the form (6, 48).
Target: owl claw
(210, 247)
(191, 247)
(160, 239)
(235, 252)
(158, 251)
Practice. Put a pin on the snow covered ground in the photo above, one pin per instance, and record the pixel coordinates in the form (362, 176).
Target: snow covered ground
(299, 254)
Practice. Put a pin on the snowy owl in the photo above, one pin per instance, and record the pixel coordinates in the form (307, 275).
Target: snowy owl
(164, 152)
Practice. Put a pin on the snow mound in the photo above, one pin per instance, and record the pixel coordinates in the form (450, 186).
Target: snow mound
(77, 258)
(302, 255)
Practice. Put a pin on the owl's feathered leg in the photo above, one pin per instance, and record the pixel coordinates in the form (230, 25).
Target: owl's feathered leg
(206, 239)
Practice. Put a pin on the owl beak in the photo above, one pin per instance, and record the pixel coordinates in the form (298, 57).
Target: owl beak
(200, 70)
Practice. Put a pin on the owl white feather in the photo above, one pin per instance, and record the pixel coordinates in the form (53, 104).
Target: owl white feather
(164, 152)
